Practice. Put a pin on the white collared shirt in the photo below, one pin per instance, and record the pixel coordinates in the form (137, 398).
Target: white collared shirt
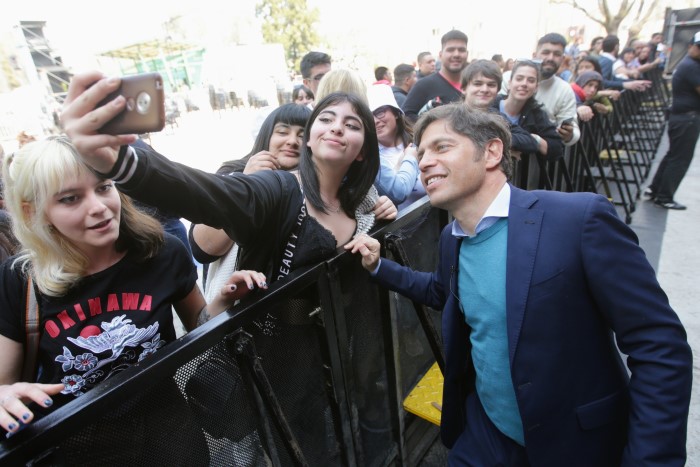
(498, 209)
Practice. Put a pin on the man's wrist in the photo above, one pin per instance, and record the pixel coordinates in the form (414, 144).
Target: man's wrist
(376, 269)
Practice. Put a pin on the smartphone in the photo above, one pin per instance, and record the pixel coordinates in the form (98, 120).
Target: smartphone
(568, 122)
(145, 105)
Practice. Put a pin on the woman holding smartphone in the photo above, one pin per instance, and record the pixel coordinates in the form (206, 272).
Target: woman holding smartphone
(261, 212)
(281, 224)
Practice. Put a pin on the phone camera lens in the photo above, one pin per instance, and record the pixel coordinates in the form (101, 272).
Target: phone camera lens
(143, 103)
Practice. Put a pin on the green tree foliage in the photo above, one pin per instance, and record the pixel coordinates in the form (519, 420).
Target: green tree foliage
(290, 23)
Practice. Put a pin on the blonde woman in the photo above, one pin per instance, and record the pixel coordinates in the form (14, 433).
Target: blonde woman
(104, 275)
(347, 81)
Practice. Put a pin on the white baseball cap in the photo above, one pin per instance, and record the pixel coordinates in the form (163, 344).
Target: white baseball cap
(380, 95)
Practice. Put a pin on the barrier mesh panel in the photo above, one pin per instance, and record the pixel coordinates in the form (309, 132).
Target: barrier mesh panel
(419, 241)
(209, 412)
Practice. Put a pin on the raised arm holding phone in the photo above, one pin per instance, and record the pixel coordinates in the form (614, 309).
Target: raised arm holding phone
(338, 164)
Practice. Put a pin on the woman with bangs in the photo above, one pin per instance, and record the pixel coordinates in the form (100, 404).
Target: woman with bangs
(277, 147)
(84, 249)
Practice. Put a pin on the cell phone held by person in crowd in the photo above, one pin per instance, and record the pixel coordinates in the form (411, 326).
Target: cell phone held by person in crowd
(567, 122)
(145, 105)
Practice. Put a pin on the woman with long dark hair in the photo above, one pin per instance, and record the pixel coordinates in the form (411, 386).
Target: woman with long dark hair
(277, 147)
(521, 108)
(261, 212)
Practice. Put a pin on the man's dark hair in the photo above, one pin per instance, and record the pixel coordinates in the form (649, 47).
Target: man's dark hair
(401, 72)
(552, 38)
(312, 59)
(610, 42)
(487, 68)
(379, 72)
(421, 56)
(596, 39)
(497, 58)
(454, 35)
(479, 126)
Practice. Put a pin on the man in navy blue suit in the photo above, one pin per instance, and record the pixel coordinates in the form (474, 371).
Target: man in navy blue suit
(536, 288)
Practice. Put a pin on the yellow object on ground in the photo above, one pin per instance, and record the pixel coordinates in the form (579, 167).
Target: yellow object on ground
(425, 400)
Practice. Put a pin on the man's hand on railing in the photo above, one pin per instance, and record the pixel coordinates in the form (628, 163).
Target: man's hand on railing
(13, 397)
(368, 247)
(585, 113)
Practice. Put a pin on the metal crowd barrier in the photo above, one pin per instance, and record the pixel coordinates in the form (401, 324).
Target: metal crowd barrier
(614, 155)
(315, 370)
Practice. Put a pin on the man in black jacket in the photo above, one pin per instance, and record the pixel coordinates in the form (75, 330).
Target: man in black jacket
(442, 87)
(683, 129)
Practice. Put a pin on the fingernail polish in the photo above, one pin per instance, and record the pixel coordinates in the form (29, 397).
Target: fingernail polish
(26, 416)
(251, 286)
(48, 402)
(12, 426)
(264, 284)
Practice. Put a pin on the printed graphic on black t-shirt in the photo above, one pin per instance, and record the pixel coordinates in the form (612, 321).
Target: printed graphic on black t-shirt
(119, 345)
(108, 322)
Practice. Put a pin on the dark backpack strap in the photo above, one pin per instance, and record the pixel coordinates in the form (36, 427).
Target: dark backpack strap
(31, 321)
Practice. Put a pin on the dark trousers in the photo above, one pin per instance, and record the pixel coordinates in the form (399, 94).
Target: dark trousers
(481, 444)
(683, 131)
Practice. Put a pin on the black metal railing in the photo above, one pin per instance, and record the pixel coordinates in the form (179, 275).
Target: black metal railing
(614, 155)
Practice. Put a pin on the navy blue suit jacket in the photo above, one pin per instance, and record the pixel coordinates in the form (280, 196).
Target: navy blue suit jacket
(574, 275)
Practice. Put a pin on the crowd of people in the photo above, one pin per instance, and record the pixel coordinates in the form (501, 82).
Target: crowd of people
(323, 171)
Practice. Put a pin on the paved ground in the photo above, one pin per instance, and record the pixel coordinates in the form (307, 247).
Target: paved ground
(205, 139)
(668, 237)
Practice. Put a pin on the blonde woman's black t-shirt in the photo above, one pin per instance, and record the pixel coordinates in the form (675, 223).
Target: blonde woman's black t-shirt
(108, 322)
